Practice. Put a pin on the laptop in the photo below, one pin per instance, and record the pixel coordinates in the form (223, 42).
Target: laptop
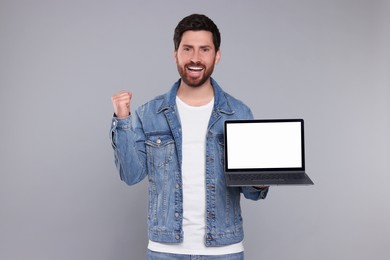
(265, 152)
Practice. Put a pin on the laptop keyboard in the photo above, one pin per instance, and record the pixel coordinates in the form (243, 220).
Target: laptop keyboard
(279, 176)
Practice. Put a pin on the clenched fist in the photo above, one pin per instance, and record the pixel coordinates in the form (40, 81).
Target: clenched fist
(121, 103)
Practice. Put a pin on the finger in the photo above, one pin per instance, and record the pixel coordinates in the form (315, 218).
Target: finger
(124, 93)
(121, 97)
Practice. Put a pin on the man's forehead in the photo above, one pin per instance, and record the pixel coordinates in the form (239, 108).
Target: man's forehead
(197, 37)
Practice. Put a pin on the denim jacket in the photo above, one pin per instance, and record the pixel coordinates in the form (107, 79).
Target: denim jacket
(149, 143)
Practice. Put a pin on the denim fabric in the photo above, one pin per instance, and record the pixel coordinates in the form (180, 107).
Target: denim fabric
(149, 144)
(165, 256)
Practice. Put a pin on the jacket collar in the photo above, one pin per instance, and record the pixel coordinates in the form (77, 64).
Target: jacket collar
(221, 103)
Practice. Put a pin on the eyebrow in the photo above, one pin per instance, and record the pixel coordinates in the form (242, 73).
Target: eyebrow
(191, 46)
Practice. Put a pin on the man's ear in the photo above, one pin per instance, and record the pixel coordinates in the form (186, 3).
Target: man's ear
(217, 56)
(175, 56)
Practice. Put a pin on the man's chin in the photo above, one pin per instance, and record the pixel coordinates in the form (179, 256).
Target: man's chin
(195, 83)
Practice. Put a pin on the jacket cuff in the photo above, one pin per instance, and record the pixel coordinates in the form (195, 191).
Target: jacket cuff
(253, 193)
(122, 123)
(263, 192)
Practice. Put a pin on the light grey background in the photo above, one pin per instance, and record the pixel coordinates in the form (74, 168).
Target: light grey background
(326, 61)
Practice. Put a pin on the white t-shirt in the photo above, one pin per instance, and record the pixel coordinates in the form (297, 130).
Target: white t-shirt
(194, 122)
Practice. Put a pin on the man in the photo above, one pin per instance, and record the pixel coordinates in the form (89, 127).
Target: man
(176, 140)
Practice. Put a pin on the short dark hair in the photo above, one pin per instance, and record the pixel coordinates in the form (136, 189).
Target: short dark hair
(196, 22)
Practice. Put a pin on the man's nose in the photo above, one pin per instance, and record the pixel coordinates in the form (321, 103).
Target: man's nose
(195, 56)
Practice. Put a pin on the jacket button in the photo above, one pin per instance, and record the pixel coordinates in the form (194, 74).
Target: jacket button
(177, 237)
(176, 215)
(159, 141)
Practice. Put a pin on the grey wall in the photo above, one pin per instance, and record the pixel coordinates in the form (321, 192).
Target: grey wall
(326, 61)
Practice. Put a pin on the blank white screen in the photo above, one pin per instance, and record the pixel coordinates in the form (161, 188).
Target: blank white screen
(264, 145)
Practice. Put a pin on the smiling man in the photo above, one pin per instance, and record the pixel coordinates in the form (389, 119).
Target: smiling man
(176, 141)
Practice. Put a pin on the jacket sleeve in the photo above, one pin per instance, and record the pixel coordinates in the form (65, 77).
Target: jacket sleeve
(253, 193)
(128, 141)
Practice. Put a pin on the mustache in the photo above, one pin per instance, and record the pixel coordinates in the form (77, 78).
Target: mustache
(195, 64)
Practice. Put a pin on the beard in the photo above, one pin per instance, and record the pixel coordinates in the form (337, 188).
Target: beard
(195, 80)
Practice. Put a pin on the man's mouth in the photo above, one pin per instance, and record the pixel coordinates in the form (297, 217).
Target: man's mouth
(195, 68)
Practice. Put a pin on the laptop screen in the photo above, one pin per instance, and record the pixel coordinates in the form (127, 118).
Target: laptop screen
(264, 144)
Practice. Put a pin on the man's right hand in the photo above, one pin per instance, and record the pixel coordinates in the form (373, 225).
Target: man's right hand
(121, 103)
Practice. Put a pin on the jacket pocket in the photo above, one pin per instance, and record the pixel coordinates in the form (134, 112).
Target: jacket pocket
(160, 149)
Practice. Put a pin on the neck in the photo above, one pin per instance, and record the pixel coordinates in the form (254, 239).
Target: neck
(196, 96)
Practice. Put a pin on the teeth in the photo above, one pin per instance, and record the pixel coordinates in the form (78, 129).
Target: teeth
(195, 68)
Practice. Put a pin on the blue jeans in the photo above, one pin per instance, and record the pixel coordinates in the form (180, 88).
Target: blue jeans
(166, 256)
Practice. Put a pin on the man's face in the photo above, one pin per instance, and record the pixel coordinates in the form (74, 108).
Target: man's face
(196, 56)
